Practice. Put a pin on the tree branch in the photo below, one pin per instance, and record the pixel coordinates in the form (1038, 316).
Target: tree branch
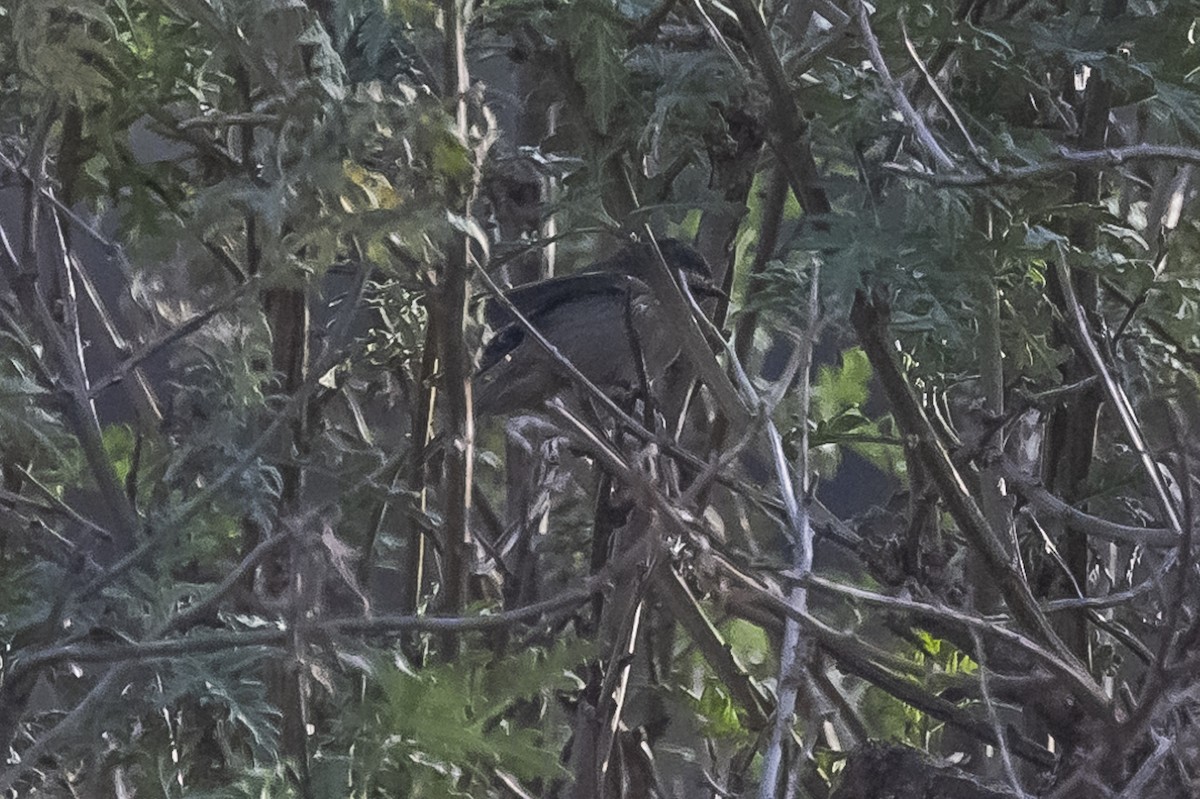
(894, 90)
(1067, 161)
(870, 320)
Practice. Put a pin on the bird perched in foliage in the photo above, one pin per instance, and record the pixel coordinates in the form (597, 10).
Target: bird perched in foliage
(606, 320)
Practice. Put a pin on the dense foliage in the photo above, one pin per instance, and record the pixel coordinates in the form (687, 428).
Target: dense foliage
(911, 514)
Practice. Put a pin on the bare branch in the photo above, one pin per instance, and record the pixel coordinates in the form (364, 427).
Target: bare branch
(76, 405)
(792, 147)
(151, 348)
(59, 506)
(985, 692)
(686, 610)
(1082, 685)
(870, 319)
(1116, 395)
(216, 120)
(1136, 786)
(1067, 161)
(281, 637)
(943, 100)
(68, 724)
(903, 104)
(856, 657)
(1046, 503)
(794, 651)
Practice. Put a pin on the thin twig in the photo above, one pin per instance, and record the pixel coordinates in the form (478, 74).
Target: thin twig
(1045, 400)
(1081, 685)
(1068, 160)
(216, 120)
(714, 33)
(838, 35)
(870, 320)
(280, 637)
(794, 651)
(1188, 356)
(890, 673)
(61, 507)
(32, 755)
(683, 606)
(126, 655)
(1047, 504)
(1116, 394)
(62, 208)
(77, 408)
(896, 92)
(172, 524)
(181, 331)
(1136, 787)
(944, 101)
(1005, 756)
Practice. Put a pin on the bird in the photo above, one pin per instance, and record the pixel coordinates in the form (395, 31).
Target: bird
(604, 320)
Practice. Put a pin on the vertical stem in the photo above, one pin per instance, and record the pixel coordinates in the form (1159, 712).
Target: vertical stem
(1071, 432)
(791, 142)
(286, 311)
(794, 486)
(451, 315)
(423, 433)
(61, 336)
(598, 715)
(773, 199)
(985, 595)
(61, 341)
(991, 358)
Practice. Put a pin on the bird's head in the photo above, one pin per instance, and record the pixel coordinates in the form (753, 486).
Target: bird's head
(644, 261)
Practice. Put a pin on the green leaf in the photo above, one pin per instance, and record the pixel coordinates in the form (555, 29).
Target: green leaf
(843, 388)
(717, 711)
(451, 720)
(747, 641)
(592, 32)
(119, 445)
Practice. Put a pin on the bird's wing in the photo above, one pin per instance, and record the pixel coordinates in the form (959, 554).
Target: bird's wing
(537, 301)
(536, 298)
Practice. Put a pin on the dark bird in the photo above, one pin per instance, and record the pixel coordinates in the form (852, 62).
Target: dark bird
(603, 320)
